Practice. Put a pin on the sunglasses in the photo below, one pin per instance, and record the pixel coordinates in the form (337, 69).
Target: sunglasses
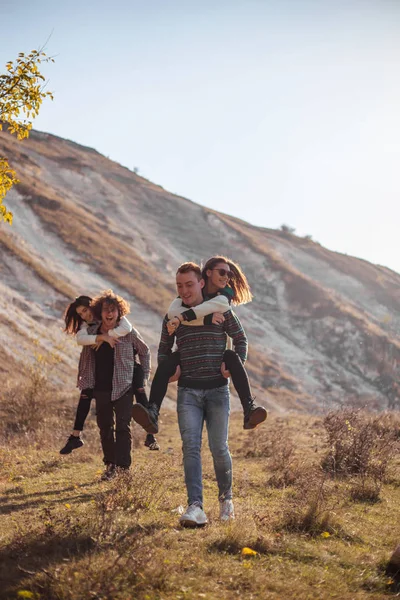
(223, 272)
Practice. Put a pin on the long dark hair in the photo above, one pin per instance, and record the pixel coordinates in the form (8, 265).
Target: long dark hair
(238, 282)
(72, 320)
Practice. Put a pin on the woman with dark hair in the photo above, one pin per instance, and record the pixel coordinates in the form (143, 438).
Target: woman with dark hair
(232, 278)
(225, 284)
(77, 317)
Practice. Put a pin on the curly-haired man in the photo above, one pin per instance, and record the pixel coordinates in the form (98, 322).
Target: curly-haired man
(110, 372)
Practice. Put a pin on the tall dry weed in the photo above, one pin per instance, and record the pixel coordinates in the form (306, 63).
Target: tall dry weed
(277, 446)
(361, 446)
(25, 403)
(313, 505)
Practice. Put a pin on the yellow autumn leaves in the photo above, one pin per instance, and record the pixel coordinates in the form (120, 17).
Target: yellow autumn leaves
(21, 96)
(8, 178)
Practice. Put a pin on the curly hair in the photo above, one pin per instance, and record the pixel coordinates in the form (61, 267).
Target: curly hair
(237, 282)
(108, 297)
(72, 320)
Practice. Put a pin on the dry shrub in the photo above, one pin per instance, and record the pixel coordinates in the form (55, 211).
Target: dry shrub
(131, 491)
(126, 570)
(365, 490)
(25, 406)
(283, 461)
(311, 506)
(361, 445)
(278, 447)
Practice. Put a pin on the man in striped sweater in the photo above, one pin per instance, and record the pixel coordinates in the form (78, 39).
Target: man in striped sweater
(203, 395)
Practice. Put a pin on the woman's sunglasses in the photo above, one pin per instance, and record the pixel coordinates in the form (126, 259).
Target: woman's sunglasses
(223, 272)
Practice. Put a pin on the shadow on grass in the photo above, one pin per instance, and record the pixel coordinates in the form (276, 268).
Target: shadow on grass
(25, 558)
(31, 555)
(19, 490)
(22, 501)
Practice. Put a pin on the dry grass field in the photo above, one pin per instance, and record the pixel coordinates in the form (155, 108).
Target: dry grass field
(317, 510)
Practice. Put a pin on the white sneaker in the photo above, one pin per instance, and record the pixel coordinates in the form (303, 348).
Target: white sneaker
(194, 516)
(226, 510)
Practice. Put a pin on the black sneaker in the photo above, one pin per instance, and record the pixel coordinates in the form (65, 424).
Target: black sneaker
(109, 473)
(151, 442)
(146, 417)
(73, 443)
(254, 416)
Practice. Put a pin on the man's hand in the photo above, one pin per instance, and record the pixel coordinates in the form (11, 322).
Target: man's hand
(176, 375)
(217, 318)
(224, 371)
(173, 325)
(96, 346)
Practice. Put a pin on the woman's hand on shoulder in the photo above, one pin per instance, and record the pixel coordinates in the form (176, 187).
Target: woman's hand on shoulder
(218, 318)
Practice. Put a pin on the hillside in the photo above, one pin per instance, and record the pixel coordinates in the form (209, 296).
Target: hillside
(323, 327)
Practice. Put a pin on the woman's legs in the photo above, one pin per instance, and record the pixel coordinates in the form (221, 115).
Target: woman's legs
(141, 398)
(159, 385)
(253, 415)
(83, 409)
(147, 417)
(74, 441)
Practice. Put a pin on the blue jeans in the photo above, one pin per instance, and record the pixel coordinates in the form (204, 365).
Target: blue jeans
(212, 406)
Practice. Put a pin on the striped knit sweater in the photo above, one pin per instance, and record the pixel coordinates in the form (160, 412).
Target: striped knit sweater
(201, 350)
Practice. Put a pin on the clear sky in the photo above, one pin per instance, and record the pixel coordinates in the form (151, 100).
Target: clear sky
(275, 111)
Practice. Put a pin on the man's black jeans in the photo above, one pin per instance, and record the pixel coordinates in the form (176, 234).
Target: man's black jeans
(114, 420)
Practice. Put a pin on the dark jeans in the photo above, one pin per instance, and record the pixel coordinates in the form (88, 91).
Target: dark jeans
(115, 438)
(233, 363)
(86, 398)
(83, 409)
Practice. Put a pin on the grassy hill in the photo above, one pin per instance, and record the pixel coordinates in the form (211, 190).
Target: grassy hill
(317, 510)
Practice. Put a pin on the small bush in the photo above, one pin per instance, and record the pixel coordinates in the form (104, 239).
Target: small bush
(360, 444)
(365, 490)
(311, 507)
(278, 447)
(25, 406)
(132, 491)
(287, 229)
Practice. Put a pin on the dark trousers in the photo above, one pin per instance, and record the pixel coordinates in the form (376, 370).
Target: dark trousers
(83, 409)
(137, 384)
(114, 419)
(86, 398)
(232, 361)
(164, 371)
(239, 377)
